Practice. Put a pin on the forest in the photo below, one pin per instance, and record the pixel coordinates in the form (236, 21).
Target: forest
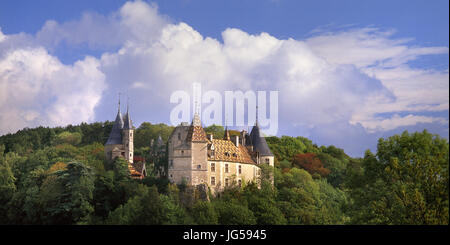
(60, 176)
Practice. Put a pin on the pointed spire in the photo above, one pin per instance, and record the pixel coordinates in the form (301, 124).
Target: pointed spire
(226, 135)
(256, 122)
(115, 136)
(127, 119)
(119, 102)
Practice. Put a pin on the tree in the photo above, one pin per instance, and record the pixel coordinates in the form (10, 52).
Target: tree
(263, 204)
(7, 188)
(234, 213)
(66, 195)
(204, 213)
(405, 183)
(311, 163)
(216, 130)
(68, 138)
(143, 209)
(336, 166)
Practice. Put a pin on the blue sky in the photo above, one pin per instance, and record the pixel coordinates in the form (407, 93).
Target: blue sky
(362, 69)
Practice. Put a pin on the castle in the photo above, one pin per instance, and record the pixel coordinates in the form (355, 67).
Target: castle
(120, 144)
(196, 158)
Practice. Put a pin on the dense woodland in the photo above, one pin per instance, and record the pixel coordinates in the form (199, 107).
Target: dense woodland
(60, 176)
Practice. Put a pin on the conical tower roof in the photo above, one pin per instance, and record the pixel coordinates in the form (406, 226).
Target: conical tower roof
(259, 142)
(196, 132)
(115, 137)
(127, 123)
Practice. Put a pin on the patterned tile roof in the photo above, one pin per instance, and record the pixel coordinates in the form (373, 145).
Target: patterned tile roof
(195, 131)
(134, 172)
(196, 134)
(227, 151)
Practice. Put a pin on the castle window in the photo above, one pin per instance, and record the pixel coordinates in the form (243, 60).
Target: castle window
(267, 160)
(130, 154)
(171, 163)
(213, 181)
(182, 152)
(213, 167)
(226, 168)
(226, 181)
(240, 169)
(199, 166)
(179, 136)
(240, 182)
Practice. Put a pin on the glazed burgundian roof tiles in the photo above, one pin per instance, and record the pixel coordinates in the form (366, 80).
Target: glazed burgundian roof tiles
(227, 151)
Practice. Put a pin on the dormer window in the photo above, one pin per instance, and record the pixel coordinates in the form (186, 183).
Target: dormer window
(227, 154)
(234, 155)
(212, 150)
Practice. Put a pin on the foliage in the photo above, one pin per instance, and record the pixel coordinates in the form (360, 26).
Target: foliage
(405, 183)
(60, 176)
(311, 163)
(216, 130)
(68, 138)
(147, 131)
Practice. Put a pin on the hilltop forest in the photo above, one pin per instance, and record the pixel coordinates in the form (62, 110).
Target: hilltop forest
(60, 176)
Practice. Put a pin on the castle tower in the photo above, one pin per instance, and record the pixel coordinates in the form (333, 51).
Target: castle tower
(260, 147)
(127, 137)
(113, 146)
(196, 138)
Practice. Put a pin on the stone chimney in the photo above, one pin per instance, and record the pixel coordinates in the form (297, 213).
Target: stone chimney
(235, 139)
(209, 136)
(243, 133)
